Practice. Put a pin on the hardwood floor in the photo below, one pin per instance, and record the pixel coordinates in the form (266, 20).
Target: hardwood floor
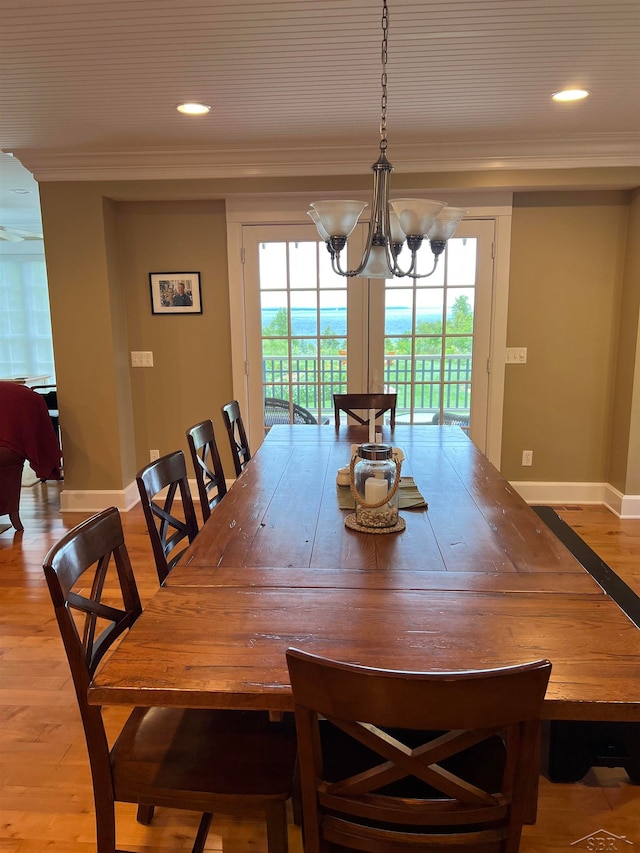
(46, 800)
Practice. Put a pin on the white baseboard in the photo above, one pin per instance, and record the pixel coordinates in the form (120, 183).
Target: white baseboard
(561, 493)
(630, 506)
(95, 501)
(81, 500)
(624, 506)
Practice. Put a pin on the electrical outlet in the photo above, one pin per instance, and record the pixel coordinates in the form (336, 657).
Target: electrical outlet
(153, 455)
(516, 355)
(527, 457)
(141, 359)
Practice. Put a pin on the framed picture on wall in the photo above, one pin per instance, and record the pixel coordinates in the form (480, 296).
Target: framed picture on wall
(175, 293)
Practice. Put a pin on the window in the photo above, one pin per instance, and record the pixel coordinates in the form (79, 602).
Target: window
(26, 347)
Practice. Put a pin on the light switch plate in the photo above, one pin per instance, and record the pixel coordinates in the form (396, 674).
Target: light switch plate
(141, 359)
(516, 355)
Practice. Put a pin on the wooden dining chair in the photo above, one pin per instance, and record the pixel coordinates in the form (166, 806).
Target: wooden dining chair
(237, 436)
(207, 466)
(167, 529)
(195, 759)
(416, 761)
(358, 406)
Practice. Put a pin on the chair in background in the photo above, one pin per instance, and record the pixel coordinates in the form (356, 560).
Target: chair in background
(276, 411)
(195, 759)
(26, 433)
(416, 761)
(352, 404)
(237, 436)
(49, 394)
(207, 466)
(166, 529)
(452, 418)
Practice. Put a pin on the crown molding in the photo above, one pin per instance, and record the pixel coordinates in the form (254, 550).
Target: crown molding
(612, 150)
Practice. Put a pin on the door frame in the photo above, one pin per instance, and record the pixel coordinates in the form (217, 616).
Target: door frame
(291, 210)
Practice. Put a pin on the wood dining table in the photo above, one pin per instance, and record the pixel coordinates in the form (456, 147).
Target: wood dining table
(476, 580)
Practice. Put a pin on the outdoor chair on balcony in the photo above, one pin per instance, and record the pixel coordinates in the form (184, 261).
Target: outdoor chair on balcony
(354, 404)
(278, 411)
(460, 419)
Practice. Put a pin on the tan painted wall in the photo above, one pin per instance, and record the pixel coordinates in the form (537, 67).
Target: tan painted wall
(103, 238)
(87, 317)
(624, 465)
(567, 261)
(191, 376)
(99, 253)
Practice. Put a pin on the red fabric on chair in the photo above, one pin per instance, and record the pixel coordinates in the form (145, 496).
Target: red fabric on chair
(25, 428)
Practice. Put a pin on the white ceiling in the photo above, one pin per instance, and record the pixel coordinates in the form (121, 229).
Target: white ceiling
(89, 87)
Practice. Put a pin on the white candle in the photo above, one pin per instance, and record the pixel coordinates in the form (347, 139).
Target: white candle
(375, 489)
(372, 426)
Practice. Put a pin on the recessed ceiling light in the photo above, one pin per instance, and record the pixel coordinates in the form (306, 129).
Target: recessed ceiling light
(192, 109)
(20, 191)
(570, 95)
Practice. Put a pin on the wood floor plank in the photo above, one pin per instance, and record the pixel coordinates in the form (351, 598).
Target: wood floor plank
(45, 789)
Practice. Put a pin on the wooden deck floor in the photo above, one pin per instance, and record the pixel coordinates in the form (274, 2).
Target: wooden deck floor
(45, 788)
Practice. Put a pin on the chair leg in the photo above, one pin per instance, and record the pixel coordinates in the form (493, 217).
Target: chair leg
(145, 814)
(203, 831)
(277, 836)
(296, 794)
(14, 517)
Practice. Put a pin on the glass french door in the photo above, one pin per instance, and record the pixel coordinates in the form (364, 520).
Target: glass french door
(312, 333)
(430, 337)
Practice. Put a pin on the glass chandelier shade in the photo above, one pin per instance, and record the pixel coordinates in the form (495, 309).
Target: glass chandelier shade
(415, 215)
(393, 223)
(338, 218)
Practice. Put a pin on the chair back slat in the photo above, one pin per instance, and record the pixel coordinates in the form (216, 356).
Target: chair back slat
(76, 570)
(167, 529)
(399, 760)
(356, 404)
(237, 436)
(207, 466)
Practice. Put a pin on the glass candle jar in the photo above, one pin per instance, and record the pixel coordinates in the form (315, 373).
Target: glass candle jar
(375, 483)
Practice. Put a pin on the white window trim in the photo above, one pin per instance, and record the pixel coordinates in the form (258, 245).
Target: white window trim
(291, 210)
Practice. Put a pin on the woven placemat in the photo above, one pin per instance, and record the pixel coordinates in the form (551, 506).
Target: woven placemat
(408, 494)
(352, 524)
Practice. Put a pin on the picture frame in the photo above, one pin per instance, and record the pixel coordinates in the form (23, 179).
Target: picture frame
(175, 293)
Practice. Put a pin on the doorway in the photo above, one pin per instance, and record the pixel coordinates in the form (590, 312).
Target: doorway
(311, 333)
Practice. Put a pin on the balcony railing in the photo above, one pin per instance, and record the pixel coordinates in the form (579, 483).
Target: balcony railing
(311, 382)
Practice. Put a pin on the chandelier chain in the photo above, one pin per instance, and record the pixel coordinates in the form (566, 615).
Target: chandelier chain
(383, 78)
(392, 224)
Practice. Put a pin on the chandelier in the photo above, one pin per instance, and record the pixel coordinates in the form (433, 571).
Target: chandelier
(393, 222)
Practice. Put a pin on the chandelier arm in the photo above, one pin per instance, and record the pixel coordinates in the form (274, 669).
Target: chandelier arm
(400, 273)
(427, 274)
(335, 265)
(379, 219)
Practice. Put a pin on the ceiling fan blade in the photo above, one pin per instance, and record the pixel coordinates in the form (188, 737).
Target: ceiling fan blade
(12, 238)
(21, 233)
